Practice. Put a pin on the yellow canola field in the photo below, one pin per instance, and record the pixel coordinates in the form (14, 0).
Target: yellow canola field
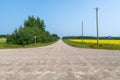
(116, 42)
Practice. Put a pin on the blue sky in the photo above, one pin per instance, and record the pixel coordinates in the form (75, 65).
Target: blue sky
(63, 17)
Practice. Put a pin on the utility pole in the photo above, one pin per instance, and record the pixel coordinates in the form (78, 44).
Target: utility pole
(97, 26)
(82, 31)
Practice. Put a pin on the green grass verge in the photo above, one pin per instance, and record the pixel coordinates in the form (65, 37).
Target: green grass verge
(4, 45)
(39, 44)
(9, 46)
(91, 45)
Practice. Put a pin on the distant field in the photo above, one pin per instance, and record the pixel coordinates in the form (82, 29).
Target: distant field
(2, 40)
(115, 42)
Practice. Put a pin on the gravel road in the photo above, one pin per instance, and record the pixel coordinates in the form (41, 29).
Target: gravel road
(59, 61)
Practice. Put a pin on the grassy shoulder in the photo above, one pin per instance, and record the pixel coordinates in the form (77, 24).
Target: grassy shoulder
(4, 45)
(92, 45)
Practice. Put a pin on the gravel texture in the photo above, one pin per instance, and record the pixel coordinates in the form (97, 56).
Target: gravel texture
(59, 62)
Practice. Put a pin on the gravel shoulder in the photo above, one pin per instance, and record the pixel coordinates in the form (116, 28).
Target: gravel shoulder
(59, 61)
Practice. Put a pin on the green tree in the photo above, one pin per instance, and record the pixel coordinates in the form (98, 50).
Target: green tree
(56, 36)
(32, 27)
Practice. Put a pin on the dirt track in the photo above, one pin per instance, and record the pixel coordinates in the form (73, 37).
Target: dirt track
(59, 62)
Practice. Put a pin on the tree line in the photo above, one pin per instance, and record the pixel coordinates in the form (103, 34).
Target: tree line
(31, 29)
(90, 37)
(3, 36)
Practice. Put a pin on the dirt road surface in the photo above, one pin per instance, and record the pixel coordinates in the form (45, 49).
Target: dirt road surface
(59, 62)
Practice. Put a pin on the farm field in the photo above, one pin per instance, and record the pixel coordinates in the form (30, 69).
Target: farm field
(2, 40)
(89, 43)
(115, 42)
(59, 61)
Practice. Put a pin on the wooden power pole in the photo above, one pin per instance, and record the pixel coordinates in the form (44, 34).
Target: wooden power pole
(97, 26)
